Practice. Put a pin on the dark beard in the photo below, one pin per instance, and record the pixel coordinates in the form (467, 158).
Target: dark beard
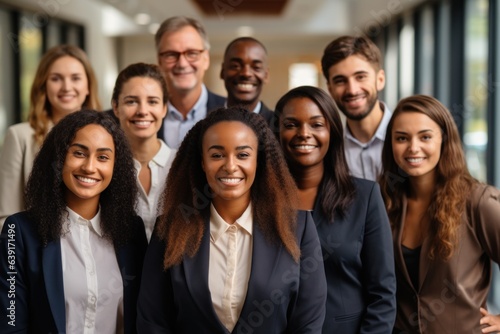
(371, 105)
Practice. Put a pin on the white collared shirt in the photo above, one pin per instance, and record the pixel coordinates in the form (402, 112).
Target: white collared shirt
(230, 264)
(256, 110)
(365, 159)
(148, 205)
(176, 127)
(93, 285)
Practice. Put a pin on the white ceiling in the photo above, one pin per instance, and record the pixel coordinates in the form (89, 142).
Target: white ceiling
(300, 17)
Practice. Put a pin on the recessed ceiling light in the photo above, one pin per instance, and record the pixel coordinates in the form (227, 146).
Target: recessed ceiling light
(243, 31)
(142, 18)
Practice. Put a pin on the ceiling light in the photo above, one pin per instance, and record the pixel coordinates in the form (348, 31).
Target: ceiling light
(142, 18)
(244, 31)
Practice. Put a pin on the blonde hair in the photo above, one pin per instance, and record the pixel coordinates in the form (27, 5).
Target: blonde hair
(40, 110)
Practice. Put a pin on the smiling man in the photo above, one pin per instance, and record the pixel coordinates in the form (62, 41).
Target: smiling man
(183, 55)
(245, 71)
(354, 75)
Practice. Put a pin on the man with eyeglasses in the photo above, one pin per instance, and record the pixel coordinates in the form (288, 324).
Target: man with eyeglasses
(183, 55)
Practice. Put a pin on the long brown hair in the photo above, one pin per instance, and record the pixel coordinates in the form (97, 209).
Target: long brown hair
(454, 181)
(40, 110)
(187, 196)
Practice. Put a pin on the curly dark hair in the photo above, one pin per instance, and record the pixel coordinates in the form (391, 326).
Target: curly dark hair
(336, 186)
(454, 182)
(45, 191)
(187, 195)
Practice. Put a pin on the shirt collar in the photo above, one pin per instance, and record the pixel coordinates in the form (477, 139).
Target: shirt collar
(256, 110)
(218, 226)
(95, 223)
(198, 106)
(161, 158)
(381, 129)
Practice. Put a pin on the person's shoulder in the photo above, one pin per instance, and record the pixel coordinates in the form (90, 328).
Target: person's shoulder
(481, 191)
(20, 220)
(363, 185)
(215, 99)
(23, 129)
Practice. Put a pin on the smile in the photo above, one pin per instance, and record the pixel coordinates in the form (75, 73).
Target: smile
(414, 160)
(354, 98)
(245, 87)
(86, 179)
(231, 180)
(142, 123)
(304, 147)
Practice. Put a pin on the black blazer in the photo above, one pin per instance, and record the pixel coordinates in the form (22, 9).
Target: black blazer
(39, 291)
(282, 297)
(214, 101)
(267, 113)
(359, 265)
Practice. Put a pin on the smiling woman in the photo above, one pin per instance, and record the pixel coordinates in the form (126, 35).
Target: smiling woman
(64, 83)
(140, 103)
(79, 236)
(445, 224)
(230, 250)
(349, 215)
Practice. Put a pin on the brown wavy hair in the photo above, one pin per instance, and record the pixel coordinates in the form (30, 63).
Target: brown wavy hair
(40, 110)
(454, 182)
(337, 188)
(187, 195)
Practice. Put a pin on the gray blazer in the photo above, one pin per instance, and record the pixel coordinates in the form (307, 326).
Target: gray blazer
(16, 160)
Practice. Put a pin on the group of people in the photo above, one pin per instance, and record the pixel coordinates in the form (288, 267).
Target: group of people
(180, 211)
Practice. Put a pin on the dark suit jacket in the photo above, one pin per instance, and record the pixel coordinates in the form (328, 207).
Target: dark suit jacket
(267, 113)
(214, 101)
(38, 284)
(359, 264)
(283, 296)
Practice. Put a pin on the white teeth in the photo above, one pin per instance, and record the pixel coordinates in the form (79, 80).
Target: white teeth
(245, 86)
(305, 147)
(86, 179)
(142, 123)
(414, 160)
(230, 180)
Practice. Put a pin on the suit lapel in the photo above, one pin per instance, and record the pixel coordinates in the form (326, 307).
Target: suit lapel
(265, 256)
(399, 247)
(54, 284)
(196, 275)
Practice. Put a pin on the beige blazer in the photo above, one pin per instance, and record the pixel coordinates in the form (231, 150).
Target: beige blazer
(16, 161)
(450, 293)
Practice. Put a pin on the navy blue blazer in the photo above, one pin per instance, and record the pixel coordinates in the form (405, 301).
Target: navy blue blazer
(359, 265)
(214, 101)
(282, 297)
(38, 290)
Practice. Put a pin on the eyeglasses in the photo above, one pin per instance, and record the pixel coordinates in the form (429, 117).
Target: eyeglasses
(173, 56)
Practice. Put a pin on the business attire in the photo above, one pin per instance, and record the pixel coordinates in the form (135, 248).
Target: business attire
(282, 296)
(16, 161)
(32, 278)
(148, 204)
(365, 159)
(449, 293)
(265, 112)
(174, 127)
(359, 264)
